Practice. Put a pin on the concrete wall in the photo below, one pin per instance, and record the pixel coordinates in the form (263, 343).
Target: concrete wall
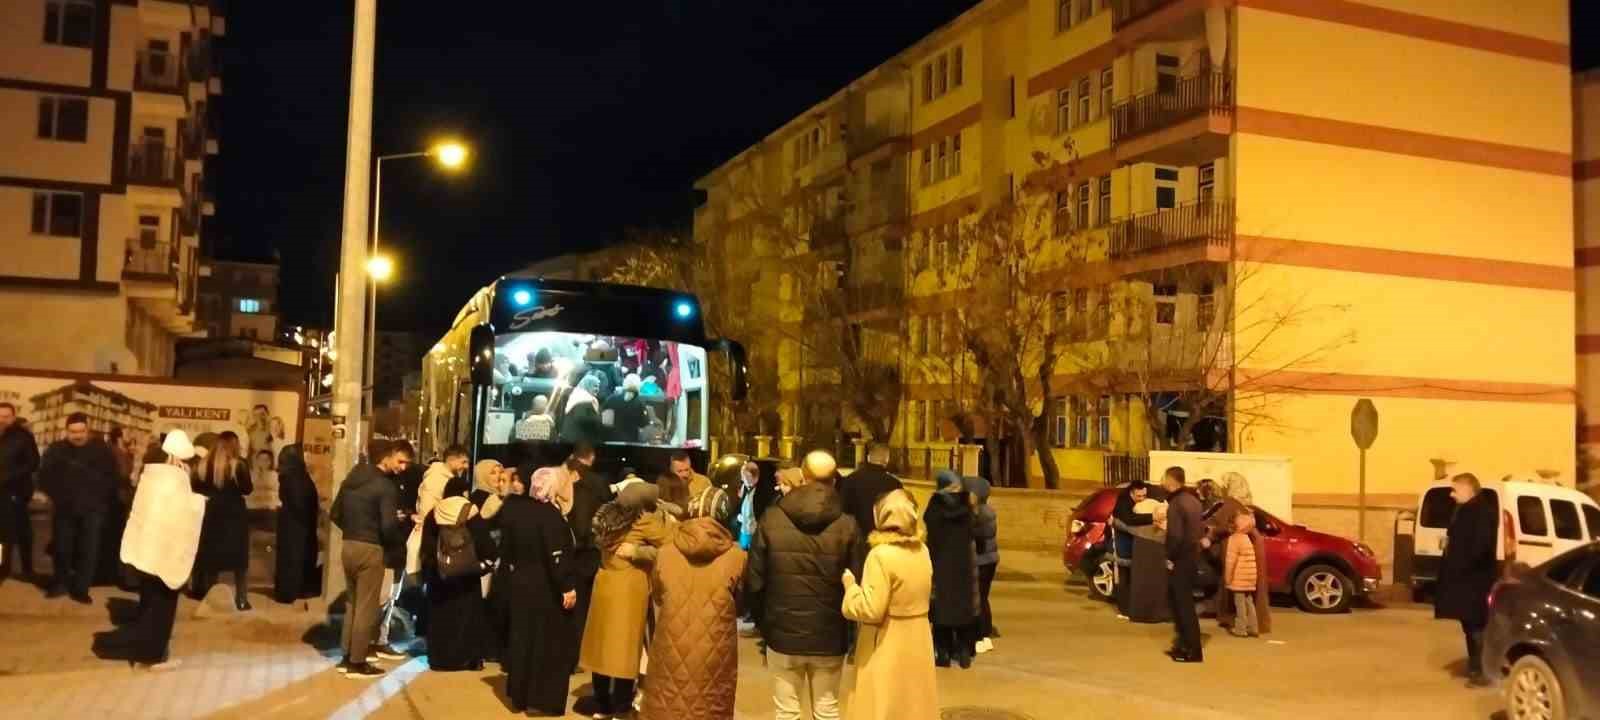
(1028, 519)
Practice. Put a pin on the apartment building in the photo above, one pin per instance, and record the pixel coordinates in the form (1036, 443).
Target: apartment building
(1283, 141)
(1586, 175)
(238, 299)
(104, 135)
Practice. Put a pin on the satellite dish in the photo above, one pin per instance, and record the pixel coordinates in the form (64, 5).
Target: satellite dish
(115, 361)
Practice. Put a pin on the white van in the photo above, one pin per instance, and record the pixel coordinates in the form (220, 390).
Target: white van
(1538, 520)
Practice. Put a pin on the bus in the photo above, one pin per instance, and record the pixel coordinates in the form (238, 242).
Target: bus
(533, 365)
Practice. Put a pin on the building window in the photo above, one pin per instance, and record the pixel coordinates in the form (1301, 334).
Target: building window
(1166, 188)
(1205, 309)
(1058, 422)
(251, 306)
(1059, 307)
(941, 76)
(952, 333)
(1008, 187)
(149, 231)
(919, 425)
(1080, 422)
(941, 153)
(956, 70)
(1166, 74)
(927, 166)
(955, 155)
(1063, 110)
(927, 83)
(1011, 96)
(1166, 304)
(69, 22)
(1102, 412)
(1105, 200)
(1083, 203)
(1063, 15)
(1062, 222)
(1084, 96)
(1085, 9)
(1105, 91)
(64, 118)
(58, 214)
(1208, 182)
(1080, 314)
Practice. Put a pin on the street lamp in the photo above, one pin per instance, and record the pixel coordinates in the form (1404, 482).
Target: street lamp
(450, 155)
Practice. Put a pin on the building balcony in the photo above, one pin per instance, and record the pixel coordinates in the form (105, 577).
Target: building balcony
(160, 71)
(159, 278)
(152, 164)
(1197, 231)
(1186, 125)
(1127, 11)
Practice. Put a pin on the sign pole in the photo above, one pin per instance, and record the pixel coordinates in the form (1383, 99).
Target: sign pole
(1363, 430)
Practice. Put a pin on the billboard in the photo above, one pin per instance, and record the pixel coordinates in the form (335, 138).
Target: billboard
(135, 411)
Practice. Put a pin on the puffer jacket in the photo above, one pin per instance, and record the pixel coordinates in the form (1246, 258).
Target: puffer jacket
(364, 509)
(1241, 571)
(694, 655)
(802, 546)
(986, 524)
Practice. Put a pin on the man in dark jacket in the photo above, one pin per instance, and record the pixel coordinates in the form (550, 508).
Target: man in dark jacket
(1123, 521)
(1468, 569)
(367, 511)
(19, 459)
(79, 474)
(589, 492)
(861, 491)
(802, 546)
(1185, 527)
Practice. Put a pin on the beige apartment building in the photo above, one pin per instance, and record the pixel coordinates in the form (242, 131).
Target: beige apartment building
(104, 135)
(1316, 144)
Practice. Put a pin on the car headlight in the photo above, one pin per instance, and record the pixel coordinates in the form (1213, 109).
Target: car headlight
(1364, 551)
(1077, 526)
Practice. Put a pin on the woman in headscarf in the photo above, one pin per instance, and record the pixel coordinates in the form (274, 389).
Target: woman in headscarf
(225, 537)
(581, 420)
(628, 531)
(894, 655)
(297, 527)
(694, 650)
(487, 488)
(1237, 500)
(160, 541)
(458, 625)
(539, 581)
(950, 524)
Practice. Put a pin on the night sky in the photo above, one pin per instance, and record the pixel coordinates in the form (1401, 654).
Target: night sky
(586, 119)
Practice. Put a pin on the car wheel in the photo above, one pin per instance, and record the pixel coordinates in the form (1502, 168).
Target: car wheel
(1533, 692)
(1323, 589)
(1103, 581)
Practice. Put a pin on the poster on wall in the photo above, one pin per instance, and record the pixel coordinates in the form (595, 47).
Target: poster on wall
(131, 414)
(318, 447)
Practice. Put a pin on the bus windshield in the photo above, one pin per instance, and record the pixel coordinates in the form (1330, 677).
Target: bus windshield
(566, 387)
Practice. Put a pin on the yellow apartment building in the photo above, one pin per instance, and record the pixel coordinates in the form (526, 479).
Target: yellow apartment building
(104, 136)
(1586, 202)
(1339, 154)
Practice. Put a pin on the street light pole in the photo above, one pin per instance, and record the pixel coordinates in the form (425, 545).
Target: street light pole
(370, 380)
(351, 289)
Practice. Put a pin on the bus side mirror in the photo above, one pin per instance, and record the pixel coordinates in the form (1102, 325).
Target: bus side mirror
(481, 355)
(736, 360)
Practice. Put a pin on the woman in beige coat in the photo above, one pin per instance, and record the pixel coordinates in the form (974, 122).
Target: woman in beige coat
(629, 532)
(894, 648)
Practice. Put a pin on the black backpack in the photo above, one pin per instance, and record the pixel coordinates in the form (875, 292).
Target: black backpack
(458, 552)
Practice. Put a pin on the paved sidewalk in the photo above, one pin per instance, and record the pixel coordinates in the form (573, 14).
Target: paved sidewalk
(1062, 656)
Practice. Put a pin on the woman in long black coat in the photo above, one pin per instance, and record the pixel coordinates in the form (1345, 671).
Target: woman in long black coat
(950, 520)
(225, 531)
(536, 550)
(458, 619)
(297, 527)
(1468, 570)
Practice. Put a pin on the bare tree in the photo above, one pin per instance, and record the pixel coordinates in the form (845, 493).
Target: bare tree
(1008, 263)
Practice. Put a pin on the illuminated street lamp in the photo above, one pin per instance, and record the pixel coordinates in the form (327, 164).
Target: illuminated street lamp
(449, 154)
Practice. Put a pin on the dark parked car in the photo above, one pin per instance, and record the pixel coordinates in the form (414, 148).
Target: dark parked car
(1543, 638)
(1324, 573)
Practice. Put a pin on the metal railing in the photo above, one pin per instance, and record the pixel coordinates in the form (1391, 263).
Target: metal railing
(150, 257)
(1126, 11)
(1119, 469)
(1206, 221)
(1209, 91)
(152, 164)
(159, 71)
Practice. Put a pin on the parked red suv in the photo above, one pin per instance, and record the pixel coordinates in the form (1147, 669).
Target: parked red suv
(1323, 572)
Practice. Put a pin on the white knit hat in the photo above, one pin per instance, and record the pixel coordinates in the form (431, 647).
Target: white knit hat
(177, 445)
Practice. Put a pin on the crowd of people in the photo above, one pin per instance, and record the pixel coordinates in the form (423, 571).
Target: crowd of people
(555, 570)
